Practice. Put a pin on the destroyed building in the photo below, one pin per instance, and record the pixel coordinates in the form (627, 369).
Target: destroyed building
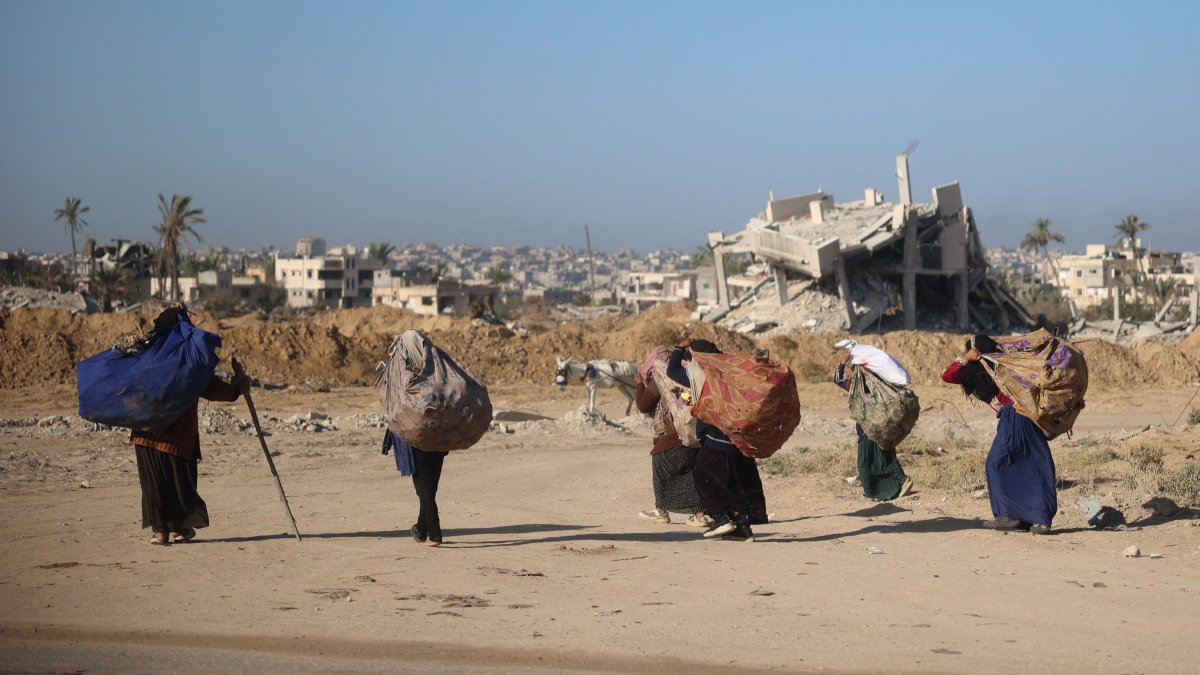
(872, 264)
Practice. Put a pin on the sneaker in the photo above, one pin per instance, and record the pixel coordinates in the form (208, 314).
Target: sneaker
(740, 533)
(702, 521)
(1040, 529)
(906, 487)
(655, 516)
(1001, 523)
(722, 525)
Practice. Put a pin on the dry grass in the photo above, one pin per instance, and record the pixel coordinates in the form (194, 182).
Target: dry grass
(951, 462)
(836, 461)
(945, 462)
(1183, 484)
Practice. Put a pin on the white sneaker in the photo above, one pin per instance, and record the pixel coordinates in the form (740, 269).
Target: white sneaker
(655, 516)
(722, 525)
(702, 521)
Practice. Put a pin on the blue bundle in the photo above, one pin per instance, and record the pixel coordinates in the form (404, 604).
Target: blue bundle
(151, 387)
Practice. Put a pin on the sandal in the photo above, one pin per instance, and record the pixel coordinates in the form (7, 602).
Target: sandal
(184, 535)
(1002, 523)
(159, 539)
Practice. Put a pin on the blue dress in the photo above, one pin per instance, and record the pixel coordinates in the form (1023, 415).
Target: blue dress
(1020, 471)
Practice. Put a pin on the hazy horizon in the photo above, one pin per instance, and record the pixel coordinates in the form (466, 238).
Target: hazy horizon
(518, 123)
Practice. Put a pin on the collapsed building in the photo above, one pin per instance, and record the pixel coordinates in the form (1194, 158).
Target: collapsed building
(905, 264)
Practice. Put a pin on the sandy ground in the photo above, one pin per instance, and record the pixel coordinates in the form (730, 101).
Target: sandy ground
(547, 567)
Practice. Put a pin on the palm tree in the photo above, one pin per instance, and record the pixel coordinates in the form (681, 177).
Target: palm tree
(89, 252)
(1127, 230)
(72, 211)
(177, 219)
(733, 264)
(268, 267)
(1161, 289)
(379, 250)
(497, 275)
(1039, 238)
(109, 282)
(194, 264)
(49, 277)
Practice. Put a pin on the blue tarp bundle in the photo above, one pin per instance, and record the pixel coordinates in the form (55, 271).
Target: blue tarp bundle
(150, 388)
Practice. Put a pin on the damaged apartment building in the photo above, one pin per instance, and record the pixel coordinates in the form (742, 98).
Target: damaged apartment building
(864, 265)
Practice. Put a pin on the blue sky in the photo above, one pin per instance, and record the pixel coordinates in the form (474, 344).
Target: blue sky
(652, 122)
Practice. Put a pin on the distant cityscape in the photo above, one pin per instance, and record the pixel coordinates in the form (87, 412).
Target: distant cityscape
(423, 277)
(428, 278)
(923, 262)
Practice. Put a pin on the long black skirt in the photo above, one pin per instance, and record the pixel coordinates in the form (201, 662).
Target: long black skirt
(169, 499)
(674, 486)
(728, 483)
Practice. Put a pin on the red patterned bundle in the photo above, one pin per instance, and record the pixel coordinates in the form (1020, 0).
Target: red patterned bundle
(751, 398)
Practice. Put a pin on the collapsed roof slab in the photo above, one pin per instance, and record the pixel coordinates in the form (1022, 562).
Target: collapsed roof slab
(929, 246)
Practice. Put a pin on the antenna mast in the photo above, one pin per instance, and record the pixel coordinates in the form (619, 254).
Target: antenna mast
(591, 263)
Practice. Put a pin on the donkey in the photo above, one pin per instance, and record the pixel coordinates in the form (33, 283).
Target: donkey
(597, 374)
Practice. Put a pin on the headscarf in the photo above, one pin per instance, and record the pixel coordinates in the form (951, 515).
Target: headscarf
(656, 353)
(167, 318)
(975, 379)
(704, 347)
(985, 344)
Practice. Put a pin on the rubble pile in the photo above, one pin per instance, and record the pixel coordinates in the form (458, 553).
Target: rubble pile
(16, 297)
(361, 421)
(311, 422)
(215, 420)
(580, 421)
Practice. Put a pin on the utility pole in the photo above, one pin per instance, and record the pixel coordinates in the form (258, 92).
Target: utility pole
(591, 263)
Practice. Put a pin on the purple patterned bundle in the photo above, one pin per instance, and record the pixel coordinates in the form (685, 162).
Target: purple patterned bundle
(1046, 377)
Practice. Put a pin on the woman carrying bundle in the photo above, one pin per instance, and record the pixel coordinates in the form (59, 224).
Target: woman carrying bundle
(167, 460)
(1020, 468)
(433, 405)
(879, 470)
(727, 480)
(671, 461)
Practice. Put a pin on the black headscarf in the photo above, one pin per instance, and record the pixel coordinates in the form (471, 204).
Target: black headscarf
(975, 379)
(704, 347)
(167, 318)
(985, 344)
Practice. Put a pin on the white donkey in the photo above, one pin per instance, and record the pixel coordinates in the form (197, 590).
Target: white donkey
(597, 374)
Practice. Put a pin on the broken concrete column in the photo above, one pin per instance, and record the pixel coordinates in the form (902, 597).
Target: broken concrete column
(961, 291)
(781, 283)
(910, 267)
(902, 179)
(816, 211)
(844, 291)
(1195, 296)
(714, 241)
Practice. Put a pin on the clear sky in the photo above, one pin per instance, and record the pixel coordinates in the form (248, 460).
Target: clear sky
(653, 122)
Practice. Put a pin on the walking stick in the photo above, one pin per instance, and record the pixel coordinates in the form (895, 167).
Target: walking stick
(241, 374)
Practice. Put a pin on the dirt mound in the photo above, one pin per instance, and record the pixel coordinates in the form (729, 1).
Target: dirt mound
(1191, 345)
(41, 346)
